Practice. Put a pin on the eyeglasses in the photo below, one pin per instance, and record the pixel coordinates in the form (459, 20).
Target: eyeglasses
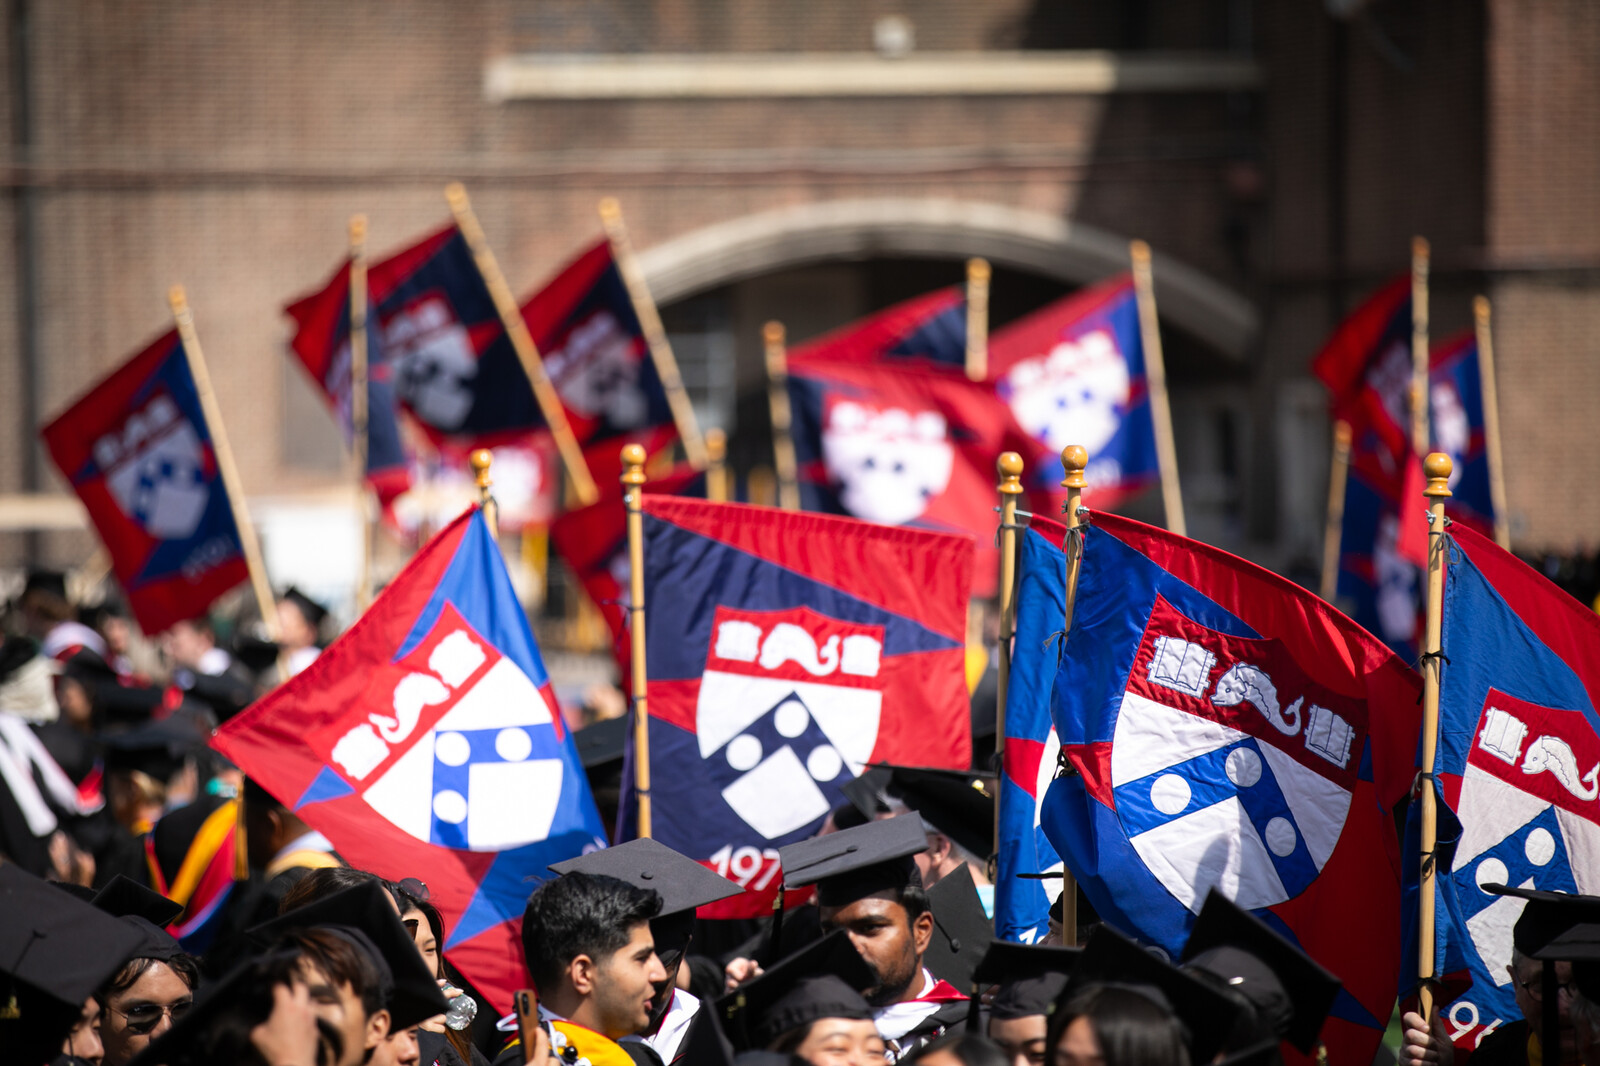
(1535, 989)
(413, 888)
(146, 1016)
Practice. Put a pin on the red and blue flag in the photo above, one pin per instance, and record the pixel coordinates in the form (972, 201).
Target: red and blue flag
(1022, 904)
(787, 651)
(1223, 728)
(902, 446)
(1518, 767)
(1073, 372)
(322, 345)
(930, 330)
(137, 451)
(427, 742)
(1366, 366)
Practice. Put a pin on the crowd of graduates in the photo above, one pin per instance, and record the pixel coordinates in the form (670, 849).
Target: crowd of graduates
(881, 948)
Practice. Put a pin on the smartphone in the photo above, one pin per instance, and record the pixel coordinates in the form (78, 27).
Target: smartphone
(527, 1007)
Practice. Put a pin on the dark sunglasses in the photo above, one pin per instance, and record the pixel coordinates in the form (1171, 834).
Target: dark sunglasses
(413, 888)
(146, 1016)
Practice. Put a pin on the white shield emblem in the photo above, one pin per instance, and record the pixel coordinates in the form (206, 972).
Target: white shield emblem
(155, 470)
(889, 463)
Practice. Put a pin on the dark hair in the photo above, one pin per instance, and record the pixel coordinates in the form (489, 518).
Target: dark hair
(914, 898)
(969, 1048)
(258, 797)
(327, 881)
(1131, 1028)
(185, 966)
(225, 1036)
(343, 962)
(580, 914)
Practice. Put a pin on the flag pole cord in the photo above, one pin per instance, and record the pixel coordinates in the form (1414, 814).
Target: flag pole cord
(1437, 469)
(655, 334)
(226, 468)
(633, 478)
(544, 393)
(1009, 467)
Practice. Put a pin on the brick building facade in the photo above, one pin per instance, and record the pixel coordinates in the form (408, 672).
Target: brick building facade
(1278, 158)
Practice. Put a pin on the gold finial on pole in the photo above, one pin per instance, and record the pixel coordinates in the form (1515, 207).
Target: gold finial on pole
(1074, 459)
(978, 275)
(480, 460)
(1437, 469)
(633, 478)
(783, 460)
(1333, 530)
(1491, 421)
(716, 465)
(1009, 467)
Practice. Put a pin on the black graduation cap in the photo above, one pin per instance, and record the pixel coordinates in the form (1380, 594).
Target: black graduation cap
(55, 950)
(602, 742)
(157, 748)
(256, 653)
(53, 582)
(1291, 992)
(854, 863)
(961, 929)
(958, 803)
(1206, 1012)
(1579, 945)
(822, 980)
(1031, 977)
(369, 909)
(1546, 916)
(310, 609)
(869, 792)
(124, 897)
(154, 941)
(682, 883)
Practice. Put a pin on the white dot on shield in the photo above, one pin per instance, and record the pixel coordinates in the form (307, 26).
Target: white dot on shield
(1540, 847)
(513, 745)
(450, 806)
(824, 763)
(1281, 837)
(744, 752)
(1492, 871)
(1243, 767)
(1169, 794)
(453, 749)
(791, 719)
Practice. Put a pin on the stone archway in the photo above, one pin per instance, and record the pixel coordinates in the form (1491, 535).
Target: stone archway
(853, 229)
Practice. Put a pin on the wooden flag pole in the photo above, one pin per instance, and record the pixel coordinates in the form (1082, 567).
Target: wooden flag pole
(1155, 372)
(633, 459)
(1338, 477)
(360, 417)
(1437, 469)
(1074, 458)
(783, 459)
(480, 460)
(1009, 467)
(226, 467)
(655, 334)
(716, 465)
(1419, 346)
(544, 393)
(977, 319)
(1491, 421)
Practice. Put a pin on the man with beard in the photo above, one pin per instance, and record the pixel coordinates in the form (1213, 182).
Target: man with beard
(868, 885)
(683, 885)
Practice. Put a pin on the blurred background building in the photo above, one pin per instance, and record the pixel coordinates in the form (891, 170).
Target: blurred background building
(813, 162)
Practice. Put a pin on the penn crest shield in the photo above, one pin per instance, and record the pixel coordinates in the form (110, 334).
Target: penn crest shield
(792, 650)
(426, 742)
(1518, 766)
(137, 451)
(1221, 727)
